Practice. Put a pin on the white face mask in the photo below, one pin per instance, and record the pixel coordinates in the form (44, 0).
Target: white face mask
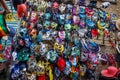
(43, 49)
(76, 18)
(47, 33)
(62, 7)
(14, 55)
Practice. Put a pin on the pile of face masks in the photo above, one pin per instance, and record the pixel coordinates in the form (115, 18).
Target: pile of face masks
(55, 41)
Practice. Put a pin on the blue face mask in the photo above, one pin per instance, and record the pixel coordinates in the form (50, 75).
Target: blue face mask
(46, 24)
(57, 72)
(15, 71)
(61, 19)
(90, 24)
(82, 16)
(47, 16)
(73, 61)
(82, 10)
(52, 56)
(67, 69)
(27, 42)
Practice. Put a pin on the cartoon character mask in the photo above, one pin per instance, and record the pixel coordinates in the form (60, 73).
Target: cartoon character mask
(46, 24)
(67, 69)
(47, 16)
(55, 5)
(62, 7)
(67, 27)
(43, 49)
(61, 34)
(34, 17)
(75, 51)
(61, 19)
(52, 56)
(54, 25)
(32, 64)
(31, 76)
(76, 19)
(33, 33)
(59, 47)
(40, 68)
(75, 10)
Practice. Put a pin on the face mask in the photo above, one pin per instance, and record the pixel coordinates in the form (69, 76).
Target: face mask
(46, 24)
(67, 27)
(47, 16)
(61, 35)
(82, 70)
(52, 56)
(43, 49)
(76, 19)
(62, 7)
(59, 47)
(73, 61)
(34, 17)
(14, 55)
(61, 19)
(67, 69)
(82, 24)
(31, 76)
(90, 24)
(32, 64)
(40, 68)
(54, 25)
(15, 72)
(75, 51)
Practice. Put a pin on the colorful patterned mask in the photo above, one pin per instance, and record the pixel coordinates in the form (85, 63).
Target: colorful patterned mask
(61, 35)
(58, 47)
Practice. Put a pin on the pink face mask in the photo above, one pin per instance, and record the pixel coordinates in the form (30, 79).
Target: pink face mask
(33, 17)
(7, 53)
(61, 34)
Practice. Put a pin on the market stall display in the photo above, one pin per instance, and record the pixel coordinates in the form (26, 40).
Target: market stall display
(54, 41)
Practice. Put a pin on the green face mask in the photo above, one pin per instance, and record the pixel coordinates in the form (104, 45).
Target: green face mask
(74, 27)
(75, 51)
(67, 27)
(54, 25)
(23, 55)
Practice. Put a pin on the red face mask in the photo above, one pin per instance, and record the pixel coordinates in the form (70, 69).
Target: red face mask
(55, 5)
(61, 64)
(94, 32)
(21, 10)
(42, 77)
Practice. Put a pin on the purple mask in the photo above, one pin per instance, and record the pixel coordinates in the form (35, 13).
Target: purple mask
(74, 10)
